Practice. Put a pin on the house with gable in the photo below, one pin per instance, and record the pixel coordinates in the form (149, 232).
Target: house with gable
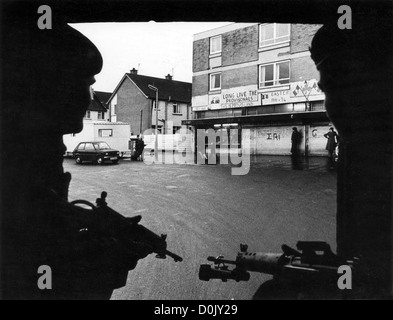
(98, 127)
(134, 102)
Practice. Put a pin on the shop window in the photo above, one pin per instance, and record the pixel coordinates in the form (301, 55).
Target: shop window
(318, 106)
(200, 114)
(266, 109)
(299, 107)
(282, 108)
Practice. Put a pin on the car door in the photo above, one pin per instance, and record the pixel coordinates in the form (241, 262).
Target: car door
(90, 152)
(80, 152)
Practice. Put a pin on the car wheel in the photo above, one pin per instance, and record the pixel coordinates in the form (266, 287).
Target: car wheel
(100, 161)
(78, 160)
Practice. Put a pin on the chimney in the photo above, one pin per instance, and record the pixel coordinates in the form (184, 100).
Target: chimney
(168, 77)
(134, 71)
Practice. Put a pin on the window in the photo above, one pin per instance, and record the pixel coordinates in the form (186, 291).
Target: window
(154, 105)
(101, 115)
(215, 45)
(87, 115)
(318, 106)
(101, 146)
(81, 146)
(274, 74)
(215, 81)
(105, 132)
(89, 147)
(273, 33)
(176, 109)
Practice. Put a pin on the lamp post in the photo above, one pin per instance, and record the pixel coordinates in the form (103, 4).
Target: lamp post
(156, 144)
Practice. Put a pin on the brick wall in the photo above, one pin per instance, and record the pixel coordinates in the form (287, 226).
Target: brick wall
(303, 68)
(200, 55)
(240, 77)
(200, 85)
(130, 102)
(240, 46)
(301, 36)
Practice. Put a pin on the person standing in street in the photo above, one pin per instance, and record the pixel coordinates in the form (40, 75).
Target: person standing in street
(332, 141)
(295, 139)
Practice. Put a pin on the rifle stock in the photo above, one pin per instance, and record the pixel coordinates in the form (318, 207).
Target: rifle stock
(110, 223)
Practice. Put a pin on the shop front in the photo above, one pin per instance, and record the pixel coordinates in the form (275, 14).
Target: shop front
(263, 119)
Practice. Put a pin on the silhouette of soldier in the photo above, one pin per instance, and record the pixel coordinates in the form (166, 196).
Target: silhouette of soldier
(356, 75)
(46, 79)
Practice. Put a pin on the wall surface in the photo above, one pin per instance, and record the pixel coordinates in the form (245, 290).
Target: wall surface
(277, 140)
(90, 132)
(130, 102)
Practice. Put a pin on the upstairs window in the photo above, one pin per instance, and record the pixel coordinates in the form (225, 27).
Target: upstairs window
(274, 74)
(215, 81)
(154, 105)
(273, 33)
(101, 115)
(215, 45)
(176, 108)
(87, 115)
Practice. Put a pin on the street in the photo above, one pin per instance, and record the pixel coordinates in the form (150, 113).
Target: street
(205, 211)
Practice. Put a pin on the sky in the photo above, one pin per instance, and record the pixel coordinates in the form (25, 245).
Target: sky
(154, 49)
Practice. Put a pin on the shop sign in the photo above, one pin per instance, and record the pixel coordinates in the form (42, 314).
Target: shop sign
(239, 97)
(275, 97)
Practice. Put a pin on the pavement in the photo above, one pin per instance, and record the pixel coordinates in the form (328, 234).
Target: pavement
(207, 211)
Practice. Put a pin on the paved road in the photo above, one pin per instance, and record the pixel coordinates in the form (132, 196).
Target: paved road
(207, 211)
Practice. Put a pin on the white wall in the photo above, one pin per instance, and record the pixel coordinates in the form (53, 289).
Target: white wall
(273, 140)
(317, 142)
(119, 139)
(277, 140)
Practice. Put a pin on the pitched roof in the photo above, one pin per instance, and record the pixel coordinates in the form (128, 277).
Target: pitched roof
(96, 104)
(103, 97)
(169, 90)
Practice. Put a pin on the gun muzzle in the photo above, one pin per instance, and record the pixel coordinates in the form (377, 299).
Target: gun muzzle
(206, 272)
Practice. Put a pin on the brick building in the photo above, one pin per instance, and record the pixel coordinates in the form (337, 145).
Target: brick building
(259, 77)
(134, 102)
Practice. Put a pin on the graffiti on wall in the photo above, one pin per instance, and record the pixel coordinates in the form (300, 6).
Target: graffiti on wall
(273, 136)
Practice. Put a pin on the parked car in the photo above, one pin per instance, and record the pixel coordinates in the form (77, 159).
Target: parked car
(96, 152)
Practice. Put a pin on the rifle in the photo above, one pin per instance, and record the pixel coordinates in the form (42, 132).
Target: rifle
(312, 261)
(128, 230)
